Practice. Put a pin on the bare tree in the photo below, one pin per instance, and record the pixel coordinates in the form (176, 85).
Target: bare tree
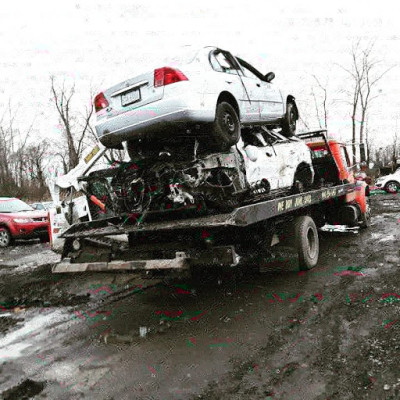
(324, 91)
(365, 72)
(76, 126)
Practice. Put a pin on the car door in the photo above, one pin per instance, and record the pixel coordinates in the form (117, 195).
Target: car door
(268, 95)
(254, 93)
(261, 161)
(233, 81)
(271, 104)
(286, 158)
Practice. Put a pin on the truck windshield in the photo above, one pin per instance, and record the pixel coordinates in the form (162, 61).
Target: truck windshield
(13, 205)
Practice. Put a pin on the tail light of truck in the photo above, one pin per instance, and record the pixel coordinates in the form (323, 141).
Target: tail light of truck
(100, 102)
(166, 75)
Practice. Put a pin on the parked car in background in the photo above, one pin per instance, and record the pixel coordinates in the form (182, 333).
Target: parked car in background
(18, 220)
(47, 205)
(204, 88)
(390, 183)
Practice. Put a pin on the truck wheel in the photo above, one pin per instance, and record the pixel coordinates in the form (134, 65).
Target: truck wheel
(366, 217)
(306, 242)
(226, 129)
(5, 237)
(392, 187)
(289, 120)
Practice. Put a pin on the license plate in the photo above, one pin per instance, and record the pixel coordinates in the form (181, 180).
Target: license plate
(130, 97)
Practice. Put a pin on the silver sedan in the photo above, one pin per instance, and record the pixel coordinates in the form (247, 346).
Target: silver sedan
(209, 93)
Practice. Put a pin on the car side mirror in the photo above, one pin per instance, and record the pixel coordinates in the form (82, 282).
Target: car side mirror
(269, 77)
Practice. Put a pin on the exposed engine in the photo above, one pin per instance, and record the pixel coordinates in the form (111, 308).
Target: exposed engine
(146, 189)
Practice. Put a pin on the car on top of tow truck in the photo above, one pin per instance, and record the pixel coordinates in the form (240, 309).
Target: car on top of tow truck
(204, 92)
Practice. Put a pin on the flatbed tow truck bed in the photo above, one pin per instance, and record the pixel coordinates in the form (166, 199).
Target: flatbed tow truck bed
(240, 217)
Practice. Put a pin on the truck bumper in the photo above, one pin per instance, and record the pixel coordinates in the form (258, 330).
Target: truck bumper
(220, 255)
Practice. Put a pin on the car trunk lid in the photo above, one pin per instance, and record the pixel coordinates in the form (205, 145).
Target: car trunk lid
(131, 94)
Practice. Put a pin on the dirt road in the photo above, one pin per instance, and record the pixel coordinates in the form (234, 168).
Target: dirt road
(329, 333)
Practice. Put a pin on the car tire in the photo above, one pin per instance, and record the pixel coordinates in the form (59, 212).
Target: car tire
(289, 120)
(5, 237)
(302, 179)
(306, 242)
(44, 239)
(392, 187)
(226, 129)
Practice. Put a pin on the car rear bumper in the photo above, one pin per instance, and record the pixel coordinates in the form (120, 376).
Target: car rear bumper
(157, 118)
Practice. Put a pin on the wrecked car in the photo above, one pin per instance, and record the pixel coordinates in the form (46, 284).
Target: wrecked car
(209, 94)
(176, 182)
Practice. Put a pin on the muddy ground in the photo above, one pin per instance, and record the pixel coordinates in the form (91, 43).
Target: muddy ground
(329, 333)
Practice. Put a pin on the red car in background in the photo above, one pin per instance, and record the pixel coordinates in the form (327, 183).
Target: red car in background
(18, 220)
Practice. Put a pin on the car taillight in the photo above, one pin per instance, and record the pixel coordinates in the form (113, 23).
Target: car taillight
(100, 102)
(166, 75)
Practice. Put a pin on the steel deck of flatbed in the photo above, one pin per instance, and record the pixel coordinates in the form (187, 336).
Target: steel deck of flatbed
(239, 217)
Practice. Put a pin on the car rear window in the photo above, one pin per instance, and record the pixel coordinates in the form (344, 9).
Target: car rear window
(13, 205)
(180, 56)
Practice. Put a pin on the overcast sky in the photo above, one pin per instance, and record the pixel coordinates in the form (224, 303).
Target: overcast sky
(100, 43)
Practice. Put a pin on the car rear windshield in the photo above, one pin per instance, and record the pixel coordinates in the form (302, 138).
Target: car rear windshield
(13, 205)
(180, 56)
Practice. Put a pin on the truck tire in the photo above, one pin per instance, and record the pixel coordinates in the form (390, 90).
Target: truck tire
(366, 217)
(226, 129)
(306, 242)
(5, 237)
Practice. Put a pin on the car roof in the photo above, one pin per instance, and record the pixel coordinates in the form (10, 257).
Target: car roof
(8, 198)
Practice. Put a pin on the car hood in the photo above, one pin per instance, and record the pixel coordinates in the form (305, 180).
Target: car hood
(387, 177)
(26, 214)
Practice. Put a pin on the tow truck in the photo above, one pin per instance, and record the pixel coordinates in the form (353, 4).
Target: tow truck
(88, 234)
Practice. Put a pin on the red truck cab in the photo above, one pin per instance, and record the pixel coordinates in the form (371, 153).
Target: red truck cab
(332, 165)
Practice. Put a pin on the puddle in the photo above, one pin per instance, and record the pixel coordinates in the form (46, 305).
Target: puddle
(9, 349)
(25, 390)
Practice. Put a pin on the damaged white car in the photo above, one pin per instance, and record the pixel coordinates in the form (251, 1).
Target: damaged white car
(180, 182)
(206, 93)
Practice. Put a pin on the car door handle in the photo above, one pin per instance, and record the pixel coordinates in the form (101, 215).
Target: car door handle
(268, 154)
(258, 84)
(228, 81)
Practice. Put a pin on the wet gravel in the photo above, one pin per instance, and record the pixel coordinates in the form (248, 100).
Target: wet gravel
(329, 333)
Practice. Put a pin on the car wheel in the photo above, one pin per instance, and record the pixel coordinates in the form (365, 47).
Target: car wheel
(44, 239)
(226, 129)
(306, 242)
(302, 179)
(5, 237)
(392, 187)
(289, 120)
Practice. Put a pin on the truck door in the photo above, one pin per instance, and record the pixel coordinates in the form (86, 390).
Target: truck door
(345, 165)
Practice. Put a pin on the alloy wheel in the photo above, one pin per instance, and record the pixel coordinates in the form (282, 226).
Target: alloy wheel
(4, 238)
